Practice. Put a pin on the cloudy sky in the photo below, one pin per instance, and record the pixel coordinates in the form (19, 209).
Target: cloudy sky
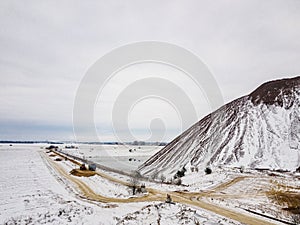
(46, 48)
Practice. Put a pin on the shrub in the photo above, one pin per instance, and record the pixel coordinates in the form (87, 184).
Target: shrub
(180, 173)
(177, 181)
(242, 169)
(208, 170)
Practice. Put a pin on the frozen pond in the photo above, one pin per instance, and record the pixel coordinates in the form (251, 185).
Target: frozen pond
(121, 157)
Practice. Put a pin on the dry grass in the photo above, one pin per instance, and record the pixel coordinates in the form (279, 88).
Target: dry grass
(285, 196)
(82, 173)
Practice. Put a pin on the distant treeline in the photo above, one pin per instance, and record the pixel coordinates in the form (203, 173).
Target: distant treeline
(147, 143)
(141, 143)
(31, 142)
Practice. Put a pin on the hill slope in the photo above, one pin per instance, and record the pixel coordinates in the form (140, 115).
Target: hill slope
(261, 129)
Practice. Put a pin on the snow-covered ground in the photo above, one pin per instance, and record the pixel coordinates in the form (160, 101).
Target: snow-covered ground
(30, 193)
(166, 214)
(100, 185)
(250, 193)
(33, 192)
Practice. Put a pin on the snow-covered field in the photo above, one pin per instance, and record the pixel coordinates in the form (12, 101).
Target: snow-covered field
(251, 193)
(163, 213)
(30, 193)
(33, 192)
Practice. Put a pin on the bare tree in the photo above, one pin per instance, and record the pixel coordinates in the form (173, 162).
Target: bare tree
(134, 181)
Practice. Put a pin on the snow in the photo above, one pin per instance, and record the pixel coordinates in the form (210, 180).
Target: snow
(240, 133)
(100, 185)
(33, 192)
(30, 193)
(165, 214)
(250, 193)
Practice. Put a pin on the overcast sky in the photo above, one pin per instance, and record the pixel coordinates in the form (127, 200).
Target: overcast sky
(46, 47)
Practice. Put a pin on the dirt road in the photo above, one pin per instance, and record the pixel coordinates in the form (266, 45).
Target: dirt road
(193, 199)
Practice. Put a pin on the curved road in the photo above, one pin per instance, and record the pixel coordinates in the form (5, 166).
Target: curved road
(193, 199)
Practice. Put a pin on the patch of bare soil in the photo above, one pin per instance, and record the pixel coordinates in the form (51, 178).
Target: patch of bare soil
(288, 200)
(82, 173)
